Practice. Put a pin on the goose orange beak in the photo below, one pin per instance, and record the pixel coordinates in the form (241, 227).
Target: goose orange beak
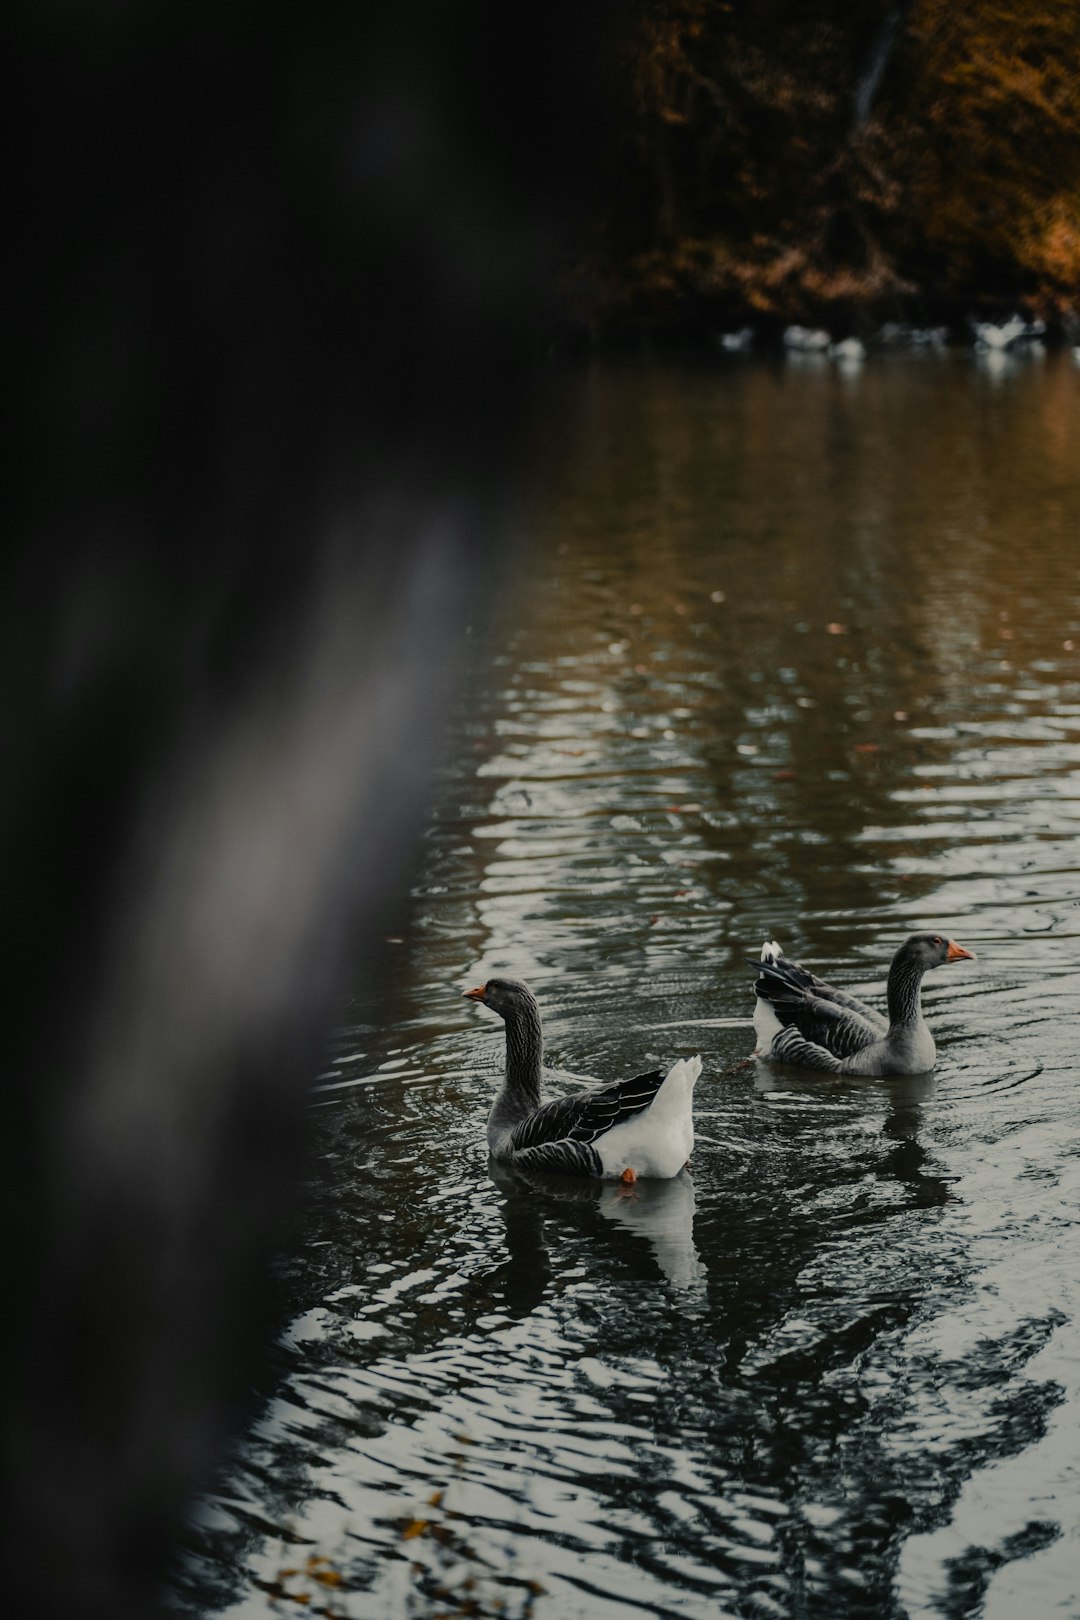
(955, 953)
(478, 993)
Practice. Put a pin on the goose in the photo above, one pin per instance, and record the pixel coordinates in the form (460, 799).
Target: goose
(806, 339)
(740, 342)
(849, 351)
(1004, 336)
(638, 1127)
(800, 1019)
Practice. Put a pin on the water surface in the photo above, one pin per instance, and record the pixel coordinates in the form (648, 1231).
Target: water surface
(790, 653)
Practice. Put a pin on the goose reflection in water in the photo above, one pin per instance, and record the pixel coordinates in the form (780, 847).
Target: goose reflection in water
(902, 1124)
(661, 1212)
(900, 1155)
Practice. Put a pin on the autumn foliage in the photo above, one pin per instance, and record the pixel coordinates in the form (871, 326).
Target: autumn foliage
(812, 159)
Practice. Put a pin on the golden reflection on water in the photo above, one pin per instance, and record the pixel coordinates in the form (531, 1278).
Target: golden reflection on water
(774, 606)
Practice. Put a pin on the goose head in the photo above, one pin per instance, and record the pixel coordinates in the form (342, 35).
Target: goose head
(932, 950)
(507, 997)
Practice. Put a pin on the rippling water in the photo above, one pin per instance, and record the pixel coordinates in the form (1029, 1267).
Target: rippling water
(790, 653)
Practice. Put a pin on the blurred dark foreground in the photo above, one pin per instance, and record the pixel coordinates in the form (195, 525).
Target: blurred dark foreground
(275, 359)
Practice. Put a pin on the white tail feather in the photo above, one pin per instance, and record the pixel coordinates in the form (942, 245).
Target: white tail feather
(689, 1067)
(660, 1139)
(678, 1086)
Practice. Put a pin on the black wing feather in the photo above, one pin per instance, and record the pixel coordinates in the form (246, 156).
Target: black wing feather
(794, 976)
(587, 1116)
(568, 1158)
(840, 1032)
(790, 1047)
(840, 1024)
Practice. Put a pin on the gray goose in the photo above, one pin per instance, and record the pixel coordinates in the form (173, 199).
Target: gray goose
(799, 1019)
(638, 1127)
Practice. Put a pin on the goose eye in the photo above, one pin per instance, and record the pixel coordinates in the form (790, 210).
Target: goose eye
(937, 939)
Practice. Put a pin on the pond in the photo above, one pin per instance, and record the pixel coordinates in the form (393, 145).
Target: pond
(788, 652)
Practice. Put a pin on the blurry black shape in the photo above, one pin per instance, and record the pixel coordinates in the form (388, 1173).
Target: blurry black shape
(283, 277)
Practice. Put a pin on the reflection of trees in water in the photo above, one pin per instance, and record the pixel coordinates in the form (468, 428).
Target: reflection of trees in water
(866, 564)
(862, 534)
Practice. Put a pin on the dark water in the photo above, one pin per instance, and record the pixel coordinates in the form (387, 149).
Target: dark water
(792, 653)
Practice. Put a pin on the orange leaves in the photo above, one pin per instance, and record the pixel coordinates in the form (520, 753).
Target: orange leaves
(747, 187)
(319, 1572)
(995, 152)
(1048, 244)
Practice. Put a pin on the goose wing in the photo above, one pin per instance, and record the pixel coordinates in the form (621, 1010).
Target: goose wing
(782, 970)
(859, 1009)
(790, 1047)
(828, 1018)
(580, 1120)
(566, 1157)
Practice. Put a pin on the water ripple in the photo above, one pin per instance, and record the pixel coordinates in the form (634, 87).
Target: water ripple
(834, 1369)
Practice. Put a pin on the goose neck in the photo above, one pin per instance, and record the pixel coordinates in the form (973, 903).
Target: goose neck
(525, 1055)
(905, 993)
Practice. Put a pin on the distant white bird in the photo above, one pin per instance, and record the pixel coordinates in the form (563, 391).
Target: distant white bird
(807, 339)
(1014, 330)
(990, 336)
(849, 350)
(738, 342)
